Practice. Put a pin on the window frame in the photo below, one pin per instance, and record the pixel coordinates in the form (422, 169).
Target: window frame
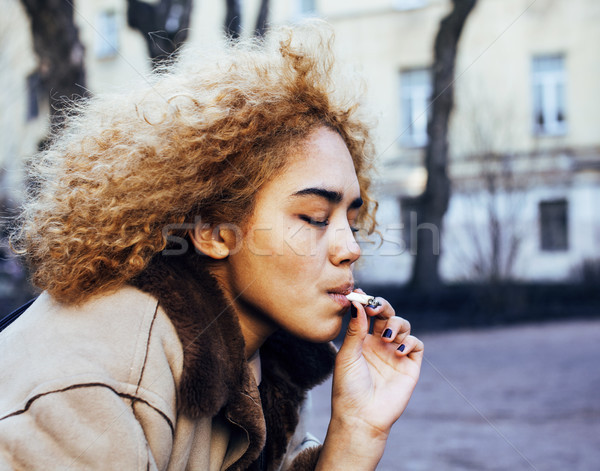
(107, 35)
(415, 100)
(548, 224)
(548, 94)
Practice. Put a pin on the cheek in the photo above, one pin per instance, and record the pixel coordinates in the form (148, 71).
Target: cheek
(290, 257)
(303, 252)
(285, 254)
(302, 241)
(288, 239)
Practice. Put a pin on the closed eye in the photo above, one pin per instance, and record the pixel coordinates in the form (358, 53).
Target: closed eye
(314, 222)
(324, 223)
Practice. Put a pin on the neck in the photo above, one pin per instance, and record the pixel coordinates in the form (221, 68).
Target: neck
(256, 328)
(253, 332)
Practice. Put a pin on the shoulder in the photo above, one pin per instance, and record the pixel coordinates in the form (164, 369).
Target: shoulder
(111, 340)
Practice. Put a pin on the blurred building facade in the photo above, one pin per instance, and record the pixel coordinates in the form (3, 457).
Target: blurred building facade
(524, 141)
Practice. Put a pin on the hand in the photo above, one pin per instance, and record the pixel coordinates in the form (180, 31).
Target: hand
(373, 380)
(374, 376)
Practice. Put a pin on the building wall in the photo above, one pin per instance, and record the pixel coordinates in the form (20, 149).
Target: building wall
(495, 91)
(130, 60)
(493, 113)
(498, 43)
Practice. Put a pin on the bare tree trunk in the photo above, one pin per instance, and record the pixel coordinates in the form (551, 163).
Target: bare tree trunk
(60, 52)
(262, 19)
(433, 203)
(233, 19)
(164, 25)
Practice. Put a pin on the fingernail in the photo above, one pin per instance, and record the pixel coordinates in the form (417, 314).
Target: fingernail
(402, 347)
(353, 311)
(387, 333)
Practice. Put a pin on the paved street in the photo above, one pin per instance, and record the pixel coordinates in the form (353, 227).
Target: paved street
(516, 398)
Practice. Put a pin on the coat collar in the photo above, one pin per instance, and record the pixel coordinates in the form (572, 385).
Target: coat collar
(216, 377)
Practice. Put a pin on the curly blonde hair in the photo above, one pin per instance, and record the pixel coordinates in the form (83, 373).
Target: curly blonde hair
(196, 139)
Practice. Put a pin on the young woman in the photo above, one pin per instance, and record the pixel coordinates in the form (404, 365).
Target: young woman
(194, 241)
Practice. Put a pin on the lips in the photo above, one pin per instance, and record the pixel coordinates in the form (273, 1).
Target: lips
(339, 298)
(343, 289)
(339, 294)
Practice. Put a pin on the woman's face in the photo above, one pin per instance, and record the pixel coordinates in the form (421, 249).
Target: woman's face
(295, 262)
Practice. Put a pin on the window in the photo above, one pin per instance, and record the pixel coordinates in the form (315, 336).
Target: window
(549, 114)
(554, 225)
(107, 35)
(307, 7)
(415, 93)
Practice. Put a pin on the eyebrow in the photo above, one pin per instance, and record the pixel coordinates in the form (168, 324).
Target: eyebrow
(334, 197)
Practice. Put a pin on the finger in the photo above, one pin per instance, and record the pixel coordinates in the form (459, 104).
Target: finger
(395, 329)
(381, 315)
(411, 347)
(357, 331)
(384, 310)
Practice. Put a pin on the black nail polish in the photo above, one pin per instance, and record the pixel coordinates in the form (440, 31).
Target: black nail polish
(402, 347)
(387, 333)
(353, 311)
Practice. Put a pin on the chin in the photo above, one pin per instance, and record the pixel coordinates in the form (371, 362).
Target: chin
(323, 333)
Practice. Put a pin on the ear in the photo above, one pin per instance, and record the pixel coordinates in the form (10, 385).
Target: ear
(214, 241)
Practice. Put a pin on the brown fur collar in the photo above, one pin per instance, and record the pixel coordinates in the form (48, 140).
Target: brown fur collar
(215, 373)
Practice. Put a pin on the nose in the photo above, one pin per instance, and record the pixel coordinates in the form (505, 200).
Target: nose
(343, 248)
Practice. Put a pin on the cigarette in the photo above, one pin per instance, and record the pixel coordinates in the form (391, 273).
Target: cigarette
(364, 299)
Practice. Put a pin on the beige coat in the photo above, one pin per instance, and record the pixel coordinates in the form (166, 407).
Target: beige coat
(116, 383)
